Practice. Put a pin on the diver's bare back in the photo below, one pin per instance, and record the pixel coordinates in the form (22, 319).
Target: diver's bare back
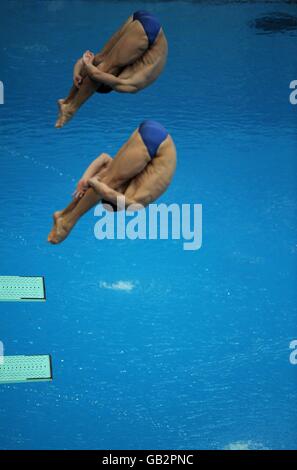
(149, 66)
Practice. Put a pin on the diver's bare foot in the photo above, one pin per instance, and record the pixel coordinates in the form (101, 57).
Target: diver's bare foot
(56, 216)
(60, 102)
(66, 113)
(60, 230)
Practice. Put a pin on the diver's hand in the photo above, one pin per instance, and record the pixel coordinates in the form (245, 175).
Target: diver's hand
(81, 189)
(88, 57)
(92, 181)
(96, 184)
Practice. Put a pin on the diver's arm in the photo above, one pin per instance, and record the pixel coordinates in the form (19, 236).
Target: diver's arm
(122, 85)
(112, 196)
(93, 169)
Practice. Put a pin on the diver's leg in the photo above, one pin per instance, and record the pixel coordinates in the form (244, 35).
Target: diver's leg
(66, 221)
(72, 213)
(67, 209)
(113, 40)
(64, 103)
(67, 100)
(127, 50)
(129, 47)
(83, 93)
(79, 73)
(131, 159)
(71, 95)
(100, 56)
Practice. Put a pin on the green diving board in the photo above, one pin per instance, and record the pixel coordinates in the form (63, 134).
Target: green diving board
(14, 369)
(22, 288)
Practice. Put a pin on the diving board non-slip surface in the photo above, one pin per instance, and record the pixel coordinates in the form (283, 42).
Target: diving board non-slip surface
(22, 288)
(14, 369)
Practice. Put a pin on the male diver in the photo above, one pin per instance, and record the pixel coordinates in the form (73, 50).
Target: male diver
(131, 60)
(141, 171)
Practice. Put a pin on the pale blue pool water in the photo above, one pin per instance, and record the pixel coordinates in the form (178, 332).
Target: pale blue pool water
(196, 354)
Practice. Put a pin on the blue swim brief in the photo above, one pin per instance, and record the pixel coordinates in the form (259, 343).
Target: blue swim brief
(150, 23)
(152, 134)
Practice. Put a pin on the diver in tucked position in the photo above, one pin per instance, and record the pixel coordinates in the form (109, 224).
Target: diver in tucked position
(132, 59)
(141, 171)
